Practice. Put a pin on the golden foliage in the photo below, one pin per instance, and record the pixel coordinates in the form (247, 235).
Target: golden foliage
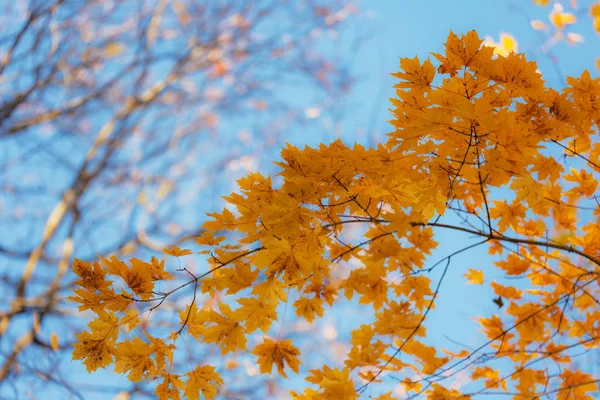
(466, 132)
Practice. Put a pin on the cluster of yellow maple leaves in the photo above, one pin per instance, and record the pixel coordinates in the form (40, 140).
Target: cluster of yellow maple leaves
(474, 123)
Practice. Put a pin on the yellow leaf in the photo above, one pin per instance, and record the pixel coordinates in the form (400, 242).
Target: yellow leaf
(54, 342)
(475, 277)
(559, 18)
(208, 239)
(308, 308)
(204, 379)
(508, 292)
(169, 388)
(134, 356)
(114, 49)
(176, 251)
(506, 45)
(223, 329)
(278, 353)
(256, 314)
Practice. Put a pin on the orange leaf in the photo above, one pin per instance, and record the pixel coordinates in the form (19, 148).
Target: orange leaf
(475, 277)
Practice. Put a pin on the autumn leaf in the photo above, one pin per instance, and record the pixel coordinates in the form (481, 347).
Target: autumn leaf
(508, 292)
(223, 329)
(54, 342)
(309, 308)
(256, 314)
(169, 388)
(560, 18)
(475, 277)
(92, 276)
(176, 251)
(208, 239)
(96, 347)
(514, 265)
(133, 356)
(279, 353)
(202, 380)
(492, 327)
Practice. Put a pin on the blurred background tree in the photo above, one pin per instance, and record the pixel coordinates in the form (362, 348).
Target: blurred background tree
(121, 123)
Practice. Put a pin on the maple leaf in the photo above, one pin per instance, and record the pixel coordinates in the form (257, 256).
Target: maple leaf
(508, 292)
(416, 288)
(169, 388)
(163, 353)
(133, 356)
(88, 300)
(97, 346)
(426, 356)
(279, 353)
(475, 277)
(514, 265)
(532, 322)
(92, 276)
(157, 270)
(308, 308)
(240, 277)
(492, 327)
(506, 45)
(438, 392)
(223, 329)
(414, 73)
(587, 184)
(208, 239)
(202, 380)
(385, 396)
(176, 251)
(272, 290)
(491, 376)
(139, 278)
(528, 380)
(131, 319)
(577, 385)
(193, 321)
(115, 266)
(508, 215)
(333, 383)
(94, 351)
(256, 314)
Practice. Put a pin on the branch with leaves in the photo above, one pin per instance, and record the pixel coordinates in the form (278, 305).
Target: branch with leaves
(474, 152)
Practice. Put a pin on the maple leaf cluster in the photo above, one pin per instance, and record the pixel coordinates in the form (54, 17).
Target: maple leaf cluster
(467, 129)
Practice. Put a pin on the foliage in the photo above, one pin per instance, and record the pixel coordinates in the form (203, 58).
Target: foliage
(480, 147)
